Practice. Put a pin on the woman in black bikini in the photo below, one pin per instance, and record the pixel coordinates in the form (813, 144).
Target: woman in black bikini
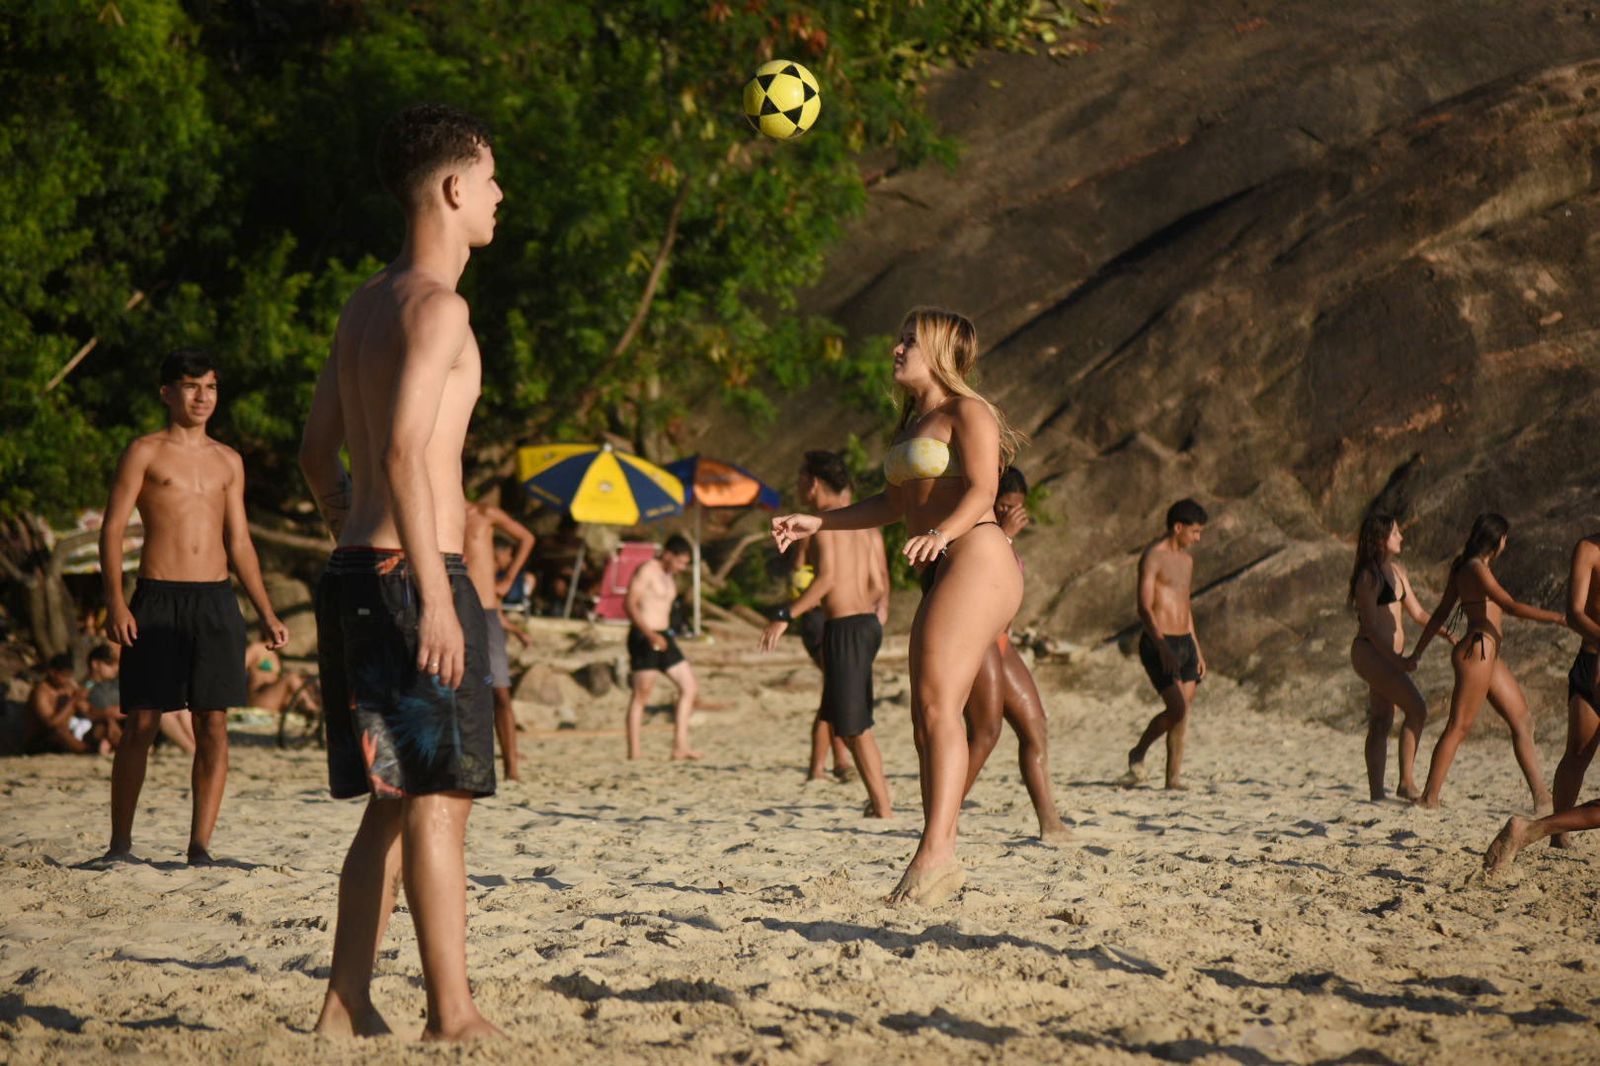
(1480, 672)
(1381, 593)
(943, 471)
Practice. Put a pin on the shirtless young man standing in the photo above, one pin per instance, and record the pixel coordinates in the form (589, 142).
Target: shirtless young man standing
(852, 587)
(482, 521)
(651, 649)
(183, 637)
(1168, 648)
(1583, 723)
(401, 640)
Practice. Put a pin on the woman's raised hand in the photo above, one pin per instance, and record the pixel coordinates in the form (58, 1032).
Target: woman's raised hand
(788, 528)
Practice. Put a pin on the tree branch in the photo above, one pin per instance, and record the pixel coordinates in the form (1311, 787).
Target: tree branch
(641, 312)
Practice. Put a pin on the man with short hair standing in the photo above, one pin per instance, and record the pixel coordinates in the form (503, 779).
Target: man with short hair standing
(182, 636)
(401, 640)
(652, 651)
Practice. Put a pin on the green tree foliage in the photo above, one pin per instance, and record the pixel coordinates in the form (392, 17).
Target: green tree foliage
(216, 157)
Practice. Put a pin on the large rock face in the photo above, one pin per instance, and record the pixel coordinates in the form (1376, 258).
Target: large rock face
(1290, 259)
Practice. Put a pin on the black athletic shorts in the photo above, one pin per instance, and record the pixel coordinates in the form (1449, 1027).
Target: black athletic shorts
(641, 656)
(1183, 648)
(393, 730)
(849, 645)
(810, 626)
(189, 651)
(1580, 679)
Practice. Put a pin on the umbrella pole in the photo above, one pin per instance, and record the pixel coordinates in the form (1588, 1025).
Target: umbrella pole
(697, 514)
(572, 582)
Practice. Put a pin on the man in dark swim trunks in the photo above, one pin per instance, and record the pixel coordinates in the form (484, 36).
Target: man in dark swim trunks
(402, 641)
(851, 586)
(1168, 648)
(652, 651)
(183, 637)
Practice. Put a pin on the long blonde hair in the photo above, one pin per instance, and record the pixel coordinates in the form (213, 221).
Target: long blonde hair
(950, 343)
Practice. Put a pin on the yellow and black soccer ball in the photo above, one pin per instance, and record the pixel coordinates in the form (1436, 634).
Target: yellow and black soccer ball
(782, 100)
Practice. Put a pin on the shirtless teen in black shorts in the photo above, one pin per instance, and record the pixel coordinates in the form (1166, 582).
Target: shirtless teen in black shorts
(1168, 649)
(652, 651)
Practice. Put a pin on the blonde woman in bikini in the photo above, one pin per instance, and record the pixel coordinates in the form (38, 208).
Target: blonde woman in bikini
(943, 471)
(1480, 671)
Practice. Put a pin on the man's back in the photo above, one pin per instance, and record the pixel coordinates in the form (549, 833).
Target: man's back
(851, 560)
(396, 310)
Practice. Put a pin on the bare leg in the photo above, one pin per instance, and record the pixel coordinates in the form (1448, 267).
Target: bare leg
(683, 676)
(1173, 723)
(433, 862)
(178, 727)
(1518, 833)
(977, 594)
(643, 682)
(207, 779)
(865, 751)
(1583, 729)
(367, 887)
(1025, 712)
(1395, 688)
(1474, 667)
(505, 729)
(1380, 717)
(821, 742)
(139, 730)
(984, 713)
(1505, 696)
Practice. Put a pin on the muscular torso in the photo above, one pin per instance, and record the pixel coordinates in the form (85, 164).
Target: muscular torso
(182, 504)
(653, 591)
(478, 548)
(851, 561)
(1174, 573)
(368, 347)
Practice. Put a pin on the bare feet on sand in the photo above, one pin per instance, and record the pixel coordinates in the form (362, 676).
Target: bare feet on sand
(1410, 795)
(1505, 846)
(1176, 786)
(1135, 772)
(198, 856)
(871, 811)
(1055, 833)
(476, 1028)
(928, 886)
(845, 774)
(681, 755)
(339, 1020)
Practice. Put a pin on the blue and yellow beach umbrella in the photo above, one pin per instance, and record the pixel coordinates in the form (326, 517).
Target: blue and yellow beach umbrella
(599, 484)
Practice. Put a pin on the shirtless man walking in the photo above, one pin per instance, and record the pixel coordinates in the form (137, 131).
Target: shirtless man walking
(1168, 647)
(852, 587)
(183, 637)
(651, 649)
(482, 521)
(1583, 722)
(401, 640)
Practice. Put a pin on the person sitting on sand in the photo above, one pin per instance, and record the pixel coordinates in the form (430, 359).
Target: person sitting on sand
(1169, 650)
(943, 471)
(652, 651)
(1583, 724)
(851, 586)
(1004, 691)
(1479, 669)
(1380, 591)
(57, 722)
(272, 688)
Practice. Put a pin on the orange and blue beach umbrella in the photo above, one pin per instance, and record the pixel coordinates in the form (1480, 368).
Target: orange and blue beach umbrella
(715, 483)
(599, 484)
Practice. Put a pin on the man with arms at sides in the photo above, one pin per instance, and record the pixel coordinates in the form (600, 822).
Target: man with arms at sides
(402, 648)
(852, 587)
(1583, 724)
(651, 649)
(483, 520)
(1168, 648)
(182, 636)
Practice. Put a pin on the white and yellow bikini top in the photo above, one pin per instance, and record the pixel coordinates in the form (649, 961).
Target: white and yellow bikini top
(919, 458)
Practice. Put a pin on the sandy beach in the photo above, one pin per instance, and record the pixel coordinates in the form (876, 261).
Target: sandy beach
(722, 912)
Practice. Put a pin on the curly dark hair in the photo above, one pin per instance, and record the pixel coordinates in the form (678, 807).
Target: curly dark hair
(421, 141)
(828, 468)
